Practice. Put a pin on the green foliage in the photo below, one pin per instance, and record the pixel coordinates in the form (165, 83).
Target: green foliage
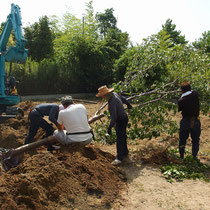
(46, 76)
(106, 21)
(100, 131)
(203, 43)
(190, 169)
(86, 53)
(125, 61)
(86, 59)
(175, 35)
(39, 36)
(154, 75)
(149, 121)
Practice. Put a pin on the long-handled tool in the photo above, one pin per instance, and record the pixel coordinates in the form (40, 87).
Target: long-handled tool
(9, 157)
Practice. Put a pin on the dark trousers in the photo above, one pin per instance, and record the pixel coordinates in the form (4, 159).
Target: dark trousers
(122, 149)
(36, 122)
(184, 132)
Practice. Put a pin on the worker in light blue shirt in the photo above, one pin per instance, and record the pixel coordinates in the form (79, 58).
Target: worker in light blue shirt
(36, 118)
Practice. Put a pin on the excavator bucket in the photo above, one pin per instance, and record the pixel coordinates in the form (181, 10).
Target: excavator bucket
(15, 55)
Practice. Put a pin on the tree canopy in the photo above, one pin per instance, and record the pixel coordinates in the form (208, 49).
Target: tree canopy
(175, 35)
(203, 43)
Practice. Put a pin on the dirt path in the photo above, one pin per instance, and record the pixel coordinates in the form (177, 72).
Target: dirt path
(147, 189)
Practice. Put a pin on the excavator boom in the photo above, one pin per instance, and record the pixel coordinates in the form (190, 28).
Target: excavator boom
(18, 53)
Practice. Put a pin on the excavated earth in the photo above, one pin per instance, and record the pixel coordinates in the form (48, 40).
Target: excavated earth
(71, 177)
(77, 177)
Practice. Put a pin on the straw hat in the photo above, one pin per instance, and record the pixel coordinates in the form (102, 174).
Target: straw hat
(103, 90)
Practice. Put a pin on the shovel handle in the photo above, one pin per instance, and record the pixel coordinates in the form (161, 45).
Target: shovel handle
(33, 145)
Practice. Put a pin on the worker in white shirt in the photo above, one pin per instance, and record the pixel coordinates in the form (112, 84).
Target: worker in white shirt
(72, 123)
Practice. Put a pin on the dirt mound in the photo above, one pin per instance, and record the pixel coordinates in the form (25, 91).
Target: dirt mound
(72, 177)
(83, 178)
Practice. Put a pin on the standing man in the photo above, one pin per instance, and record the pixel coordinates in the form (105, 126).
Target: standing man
(73, 124)
(36, 118)
(188, 104)
(119, 119)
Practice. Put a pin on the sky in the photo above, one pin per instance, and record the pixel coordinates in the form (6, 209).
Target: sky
(139, 18)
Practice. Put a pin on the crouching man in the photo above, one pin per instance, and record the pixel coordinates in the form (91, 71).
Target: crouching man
(73, 124)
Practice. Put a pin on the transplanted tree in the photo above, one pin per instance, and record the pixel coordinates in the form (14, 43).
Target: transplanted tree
(154, 105)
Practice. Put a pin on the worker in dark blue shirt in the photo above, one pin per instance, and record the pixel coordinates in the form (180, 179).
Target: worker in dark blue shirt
(119, 119)
(188, 104)
(36, 118)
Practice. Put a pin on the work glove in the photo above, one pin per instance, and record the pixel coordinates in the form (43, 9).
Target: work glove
(129, 106)
(109, 131)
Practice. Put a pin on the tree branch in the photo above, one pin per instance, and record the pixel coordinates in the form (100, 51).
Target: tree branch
(97, 116)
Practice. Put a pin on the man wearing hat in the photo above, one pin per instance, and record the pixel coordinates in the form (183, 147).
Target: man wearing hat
(73, 124)
(119, 119)
(36, 118)
(188, 104)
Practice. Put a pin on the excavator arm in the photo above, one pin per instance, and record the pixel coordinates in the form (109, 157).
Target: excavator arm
(12, 54)
(18, 53)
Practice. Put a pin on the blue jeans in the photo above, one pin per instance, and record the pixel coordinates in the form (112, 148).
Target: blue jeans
(36, 122)
(184, 131)
(122, 149)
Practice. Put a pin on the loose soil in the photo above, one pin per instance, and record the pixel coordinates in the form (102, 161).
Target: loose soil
(77, 177)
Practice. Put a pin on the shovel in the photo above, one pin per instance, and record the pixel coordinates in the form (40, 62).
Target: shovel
(9, 157)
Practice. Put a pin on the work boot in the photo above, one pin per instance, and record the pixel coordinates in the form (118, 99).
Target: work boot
(181, 151)
(116, 162)
(52, 148)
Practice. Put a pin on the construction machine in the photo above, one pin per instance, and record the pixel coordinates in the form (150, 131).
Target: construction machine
(8, 92)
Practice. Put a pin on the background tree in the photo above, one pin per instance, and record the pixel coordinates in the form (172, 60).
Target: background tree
(203, 43)
(175, 35)
(92, 51)
(12, 40)
(123, 63)
(106, 21)
(39, 36)
(84, 55)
